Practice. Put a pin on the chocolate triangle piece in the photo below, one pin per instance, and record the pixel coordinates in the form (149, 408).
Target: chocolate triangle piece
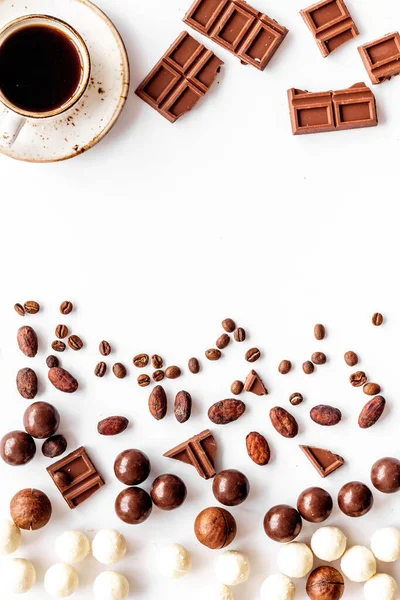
(253, 383)
(198, 451)
(324, 461)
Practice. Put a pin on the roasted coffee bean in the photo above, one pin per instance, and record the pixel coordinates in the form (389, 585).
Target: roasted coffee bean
(308, 367)
(27, 341)
(31, 307)
(158, 403)
(52, 361)
(104, 348)
(229, 325)
(54, 446)
(377, 319)
(284, 367)
(27, 383)
(158, 375)
(66, 307)
(372, 389)
(326, 415)
(58, 346)
(157, 362)
(223, 341)
(63, 380)
(318, 358)
(100, 369)
(226, 411)
(351, 358)
(112, 425)
(19, 309)
(119, 370)
(296, 398)
(358, 379)
(143, 380)
(257, 448)
(213, 354)
(194, 365)
(61, 331)
(371, 412)
(141, 360)
(284, 422)
(239, 334)
(237, 387)
(319, 331)
(75, 342)
(172, 372)
(252, 355)
(183, 406)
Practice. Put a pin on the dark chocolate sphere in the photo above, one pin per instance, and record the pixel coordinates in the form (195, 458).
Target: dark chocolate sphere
(17, 448)
(30, 509)
(355, 499)
(215, 527)
(315, 504)
(168, 492)
(41, 420)
(132, 467)
(325, 583)
(133, 505)
(231, 487)
(385, 475)
(282, 523)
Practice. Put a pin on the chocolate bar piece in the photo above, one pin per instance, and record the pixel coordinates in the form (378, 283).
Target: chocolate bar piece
(75, 477)
(198, 451)
(183, 75)
(330, 23)
(253, 383)
(323, 460)
(351, 108)
(247, 33)
(382, 57)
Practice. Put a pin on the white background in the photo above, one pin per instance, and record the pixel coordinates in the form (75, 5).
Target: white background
(162, 231)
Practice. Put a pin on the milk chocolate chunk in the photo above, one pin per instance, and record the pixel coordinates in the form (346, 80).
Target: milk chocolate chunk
(233, 24)
(381, 58)
(330, 23)
(198, 451)
(182, 76)
(324, 461)
(253, 383)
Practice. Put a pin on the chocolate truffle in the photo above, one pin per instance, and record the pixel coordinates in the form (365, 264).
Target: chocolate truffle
(17, 448)
(215, 528)
(132, 467)
(30, 509)
(282, 523)
(168, 492)
(355, 499)
(385, 475)
(133, 505)
(54, 446)
(41, 420)
(315, 504)
(325, 583)
(231, 487)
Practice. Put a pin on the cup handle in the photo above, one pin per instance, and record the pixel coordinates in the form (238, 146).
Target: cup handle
(10, 127)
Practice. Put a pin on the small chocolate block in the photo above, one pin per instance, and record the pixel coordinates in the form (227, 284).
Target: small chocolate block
(381, 58)
(253, 383)
(198, 451)
(324, 461)
(330, 23)
(75, 477)
(183, 75)
(249, 34)
(354, 107)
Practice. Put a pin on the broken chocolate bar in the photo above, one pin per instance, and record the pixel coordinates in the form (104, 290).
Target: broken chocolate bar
(253, 383)
(198, 451)
(351, 108)
(247, 33)
(76, 477)
(182, 76)
(381, 58)
(330, 23)
(324, 461)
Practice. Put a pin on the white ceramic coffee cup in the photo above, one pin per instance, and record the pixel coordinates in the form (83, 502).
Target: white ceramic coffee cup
(13, 118)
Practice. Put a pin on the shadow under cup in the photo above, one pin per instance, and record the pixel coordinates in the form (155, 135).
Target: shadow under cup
(44, 66)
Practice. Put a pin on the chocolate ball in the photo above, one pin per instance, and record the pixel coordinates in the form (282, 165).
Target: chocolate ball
(215, 527)
(133, 505)
(17, 448)
(315, 504)
(282, 523)
(385, 475)
(168, 492)
(355, 499)
(54, 446)
(325, 583)
(30, 509)
(231, 487)
(132, 467)
(41, 420)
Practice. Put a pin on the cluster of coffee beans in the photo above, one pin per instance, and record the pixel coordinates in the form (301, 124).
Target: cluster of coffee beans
(30, 307)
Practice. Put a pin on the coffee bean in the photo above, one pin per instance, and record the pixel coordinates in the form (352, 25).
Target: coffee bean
(75, 342)
(239, 334)
(213, 354)
(284, 367)
(296, 398)
(31, 307)
(66, 307)
(252, 355)
(372, 389)
(223, 341)
(172, 372)
(19, 309)
(100, 369)
(194, 365)
(58, 346)
(52, 361)
(157, 362)
(143, 380)
(319, 331)
(228, 325)
(308, 367)
(351, 358)
(237, 387)
(358, 379)
(141, 360)
(377, 319)
(54, 446)
(318, 358)
(104, 348)
(119, 370)
(61, 331)
(158, 375)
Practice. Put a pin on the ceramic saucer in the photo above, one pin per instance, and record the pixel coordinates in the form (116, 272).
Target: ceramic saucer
(85, 124)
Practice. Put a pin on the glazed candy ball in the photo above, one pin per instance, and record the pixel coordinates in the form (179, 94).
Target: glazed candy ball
(232, 567)
(61, 581)
(18, 576)
(109, 546)
(110, 585)
(174, 561)
(358, 564)
(10, 537)
(385, 544)
(278, 587)
(328, 543)
(295, 559)
(381, 586)
(72, 547)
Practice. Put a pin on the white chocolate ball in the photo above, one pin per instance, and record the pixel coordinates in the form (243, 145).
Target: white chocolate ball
(328, 543)
(174, 561)
(110, 585)
(295, 559)
(72, 547)
(277, 587)
(109, 546)
(219, 592)
(385, 544)
(232, 567)
(61, 580)
(10, 537)
(382, 587)
(18, 575)
(358, 564)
